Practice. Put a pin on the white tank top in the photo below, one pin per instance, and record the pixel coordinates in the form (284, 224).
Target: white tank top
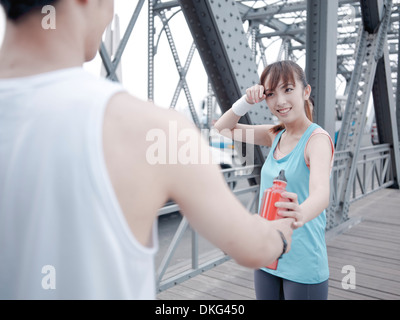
(63, 234)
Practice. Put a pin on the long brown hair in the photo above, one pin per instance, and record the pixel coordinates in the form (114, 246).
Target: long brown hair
(286, 71)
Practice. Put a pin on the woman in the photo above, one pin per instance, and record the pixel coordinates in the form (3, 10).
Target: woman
(305, 151)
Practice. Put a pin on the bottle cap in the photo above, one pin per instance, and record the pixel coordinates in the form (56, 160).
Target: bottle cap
(281, 176)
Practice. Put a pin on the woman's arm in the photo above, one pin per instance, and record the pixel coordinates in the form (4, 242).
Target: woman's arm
(319, 152)
(228, 126)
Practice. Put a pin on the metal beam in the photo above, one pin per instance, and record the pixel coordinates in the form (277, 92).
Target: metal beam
(181, 70)
(112, 66)
(398, 86)
(369, 52)
(223, 47)
(321, 62)
(150, 49)
(271, 10)
(384, 104)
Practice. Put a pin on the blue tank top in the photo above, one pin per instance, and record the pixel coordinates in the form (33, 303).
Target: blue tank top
(307, 261)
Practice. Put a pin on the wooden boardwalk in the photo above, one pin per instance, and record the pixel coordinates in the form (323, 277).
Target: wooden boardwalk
(369, 241)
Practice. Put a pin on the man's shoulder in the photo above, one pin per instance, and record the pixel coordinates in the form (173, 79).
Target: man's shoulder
(132, 113)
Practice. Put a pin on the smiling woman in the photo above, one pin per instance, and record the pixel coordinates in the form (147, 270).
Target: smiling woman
(284, 73)
(305, 151)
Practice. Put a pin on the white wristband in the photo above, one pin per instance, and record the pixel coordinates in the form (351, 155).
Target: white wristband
(241, 107)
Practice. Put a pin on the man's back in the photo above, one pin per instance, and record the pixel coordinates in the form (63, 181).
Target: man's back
(59, 210)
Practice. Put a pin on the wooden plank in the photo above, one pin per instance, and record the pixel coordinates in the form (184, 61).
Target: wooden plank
(365, 266)
(336, 292)
(349, 255)
(220, 289)
(232, 278)
(374, 282)
(360, 248)
(237, 270)
(374, 244)
(372, 233)
(181, 292)
(361, 293)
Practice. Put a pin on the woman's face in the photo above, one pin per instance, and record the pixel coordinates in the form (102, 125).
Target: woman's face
(286, 101)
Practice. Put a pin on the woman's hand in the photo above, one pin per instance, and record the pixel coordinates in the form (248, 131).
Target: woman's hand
(291, 209)
(255, 94)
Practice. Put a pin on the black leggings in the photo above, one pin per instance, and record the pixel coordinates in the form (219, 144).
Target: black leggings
(270, 287)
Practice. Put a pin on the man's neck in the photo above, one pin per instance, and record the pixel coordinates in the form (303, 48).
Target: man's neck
(28, 49)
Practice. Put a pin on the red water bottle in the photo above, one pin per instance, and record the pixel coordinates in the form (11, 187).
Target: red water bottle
(272, 195)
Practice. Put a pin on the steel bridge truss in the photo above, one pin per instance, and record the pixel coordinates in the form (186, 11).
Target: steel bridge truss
(348, 45)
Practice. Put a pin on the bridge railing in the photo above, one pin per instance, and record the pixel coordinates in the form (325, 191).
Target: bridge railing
(373, 172)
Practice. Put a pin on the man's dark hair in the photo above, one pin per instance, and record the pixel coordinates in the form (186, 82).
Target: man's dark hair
(15, 9)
